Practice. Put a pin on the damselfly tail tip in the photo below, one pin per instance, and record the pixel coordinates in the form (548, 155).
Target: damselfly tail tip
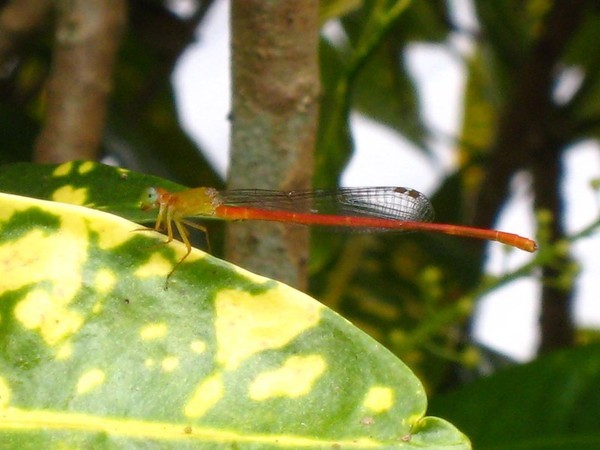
(529, 245)
(533, 246)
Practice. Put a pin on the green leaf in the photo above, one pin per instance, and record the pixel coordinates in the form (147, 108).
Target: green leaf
(385, 92)
(331, 9)
(551, 403)
(96, 353)
(85, 183)
(483, 100)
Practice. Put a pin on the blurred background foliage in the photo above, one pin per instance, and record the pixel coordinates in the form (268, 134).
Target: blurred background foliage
(415, 295)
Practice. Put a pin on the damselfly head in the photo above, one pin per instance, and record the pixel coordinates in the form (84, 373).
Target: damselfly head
(149, 199)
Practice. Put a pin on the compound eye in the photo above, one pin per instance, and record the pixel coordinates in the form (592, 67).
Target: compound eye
(151, 195)
(149, 199)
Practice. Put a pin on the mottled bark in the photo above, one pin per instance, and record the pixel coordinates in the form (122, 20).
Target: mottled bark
(87, 37)
(274, 120)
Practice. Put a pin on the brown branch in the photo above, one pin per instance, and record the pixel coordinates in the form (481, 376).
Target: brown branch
(525, 125)
(275, 107)
(88, 35)
(529, 136)
(19, 19)
(557, 329)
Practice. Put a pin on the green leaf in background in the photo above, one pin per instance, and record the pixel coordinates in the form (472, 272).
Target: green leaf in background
(333, 9)
(95, 353)
(84, 183)
(385, 93)
(340, 64)
(384, 88)
(551, 403)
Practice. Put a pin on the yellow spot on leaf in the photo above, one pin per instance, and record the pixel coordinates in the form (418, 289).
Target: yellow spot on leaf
(379, 399)
(412, 420)
(57, 258)
(104, 281)
(67, 194)
(97, 308)
(63, 169)
(170, 363)
(85, 167)
(40, 311)
(4, 393)
(157, 266)
(6, 212)
(110, 236)
(153, 331)
(249, 324)
(295, 378)
(149, 362)
(64, 351)
(204, 397)
(90, 380)
(198, 346)
(53, 262)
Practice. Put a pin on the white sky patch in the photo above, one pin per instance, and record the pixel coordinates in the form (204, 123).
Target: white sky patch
(383, 157)
(507, 320)
(440, 83)
(582, 165)
(203, 83)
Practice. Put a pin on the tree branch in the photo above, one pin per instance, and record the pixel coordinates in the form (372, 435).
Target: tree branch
(529, 136)
(275, 108)
(87, 38)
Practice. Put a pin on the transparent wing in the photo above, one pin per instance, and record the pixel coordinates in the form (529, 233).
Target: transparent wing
(397, 203)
